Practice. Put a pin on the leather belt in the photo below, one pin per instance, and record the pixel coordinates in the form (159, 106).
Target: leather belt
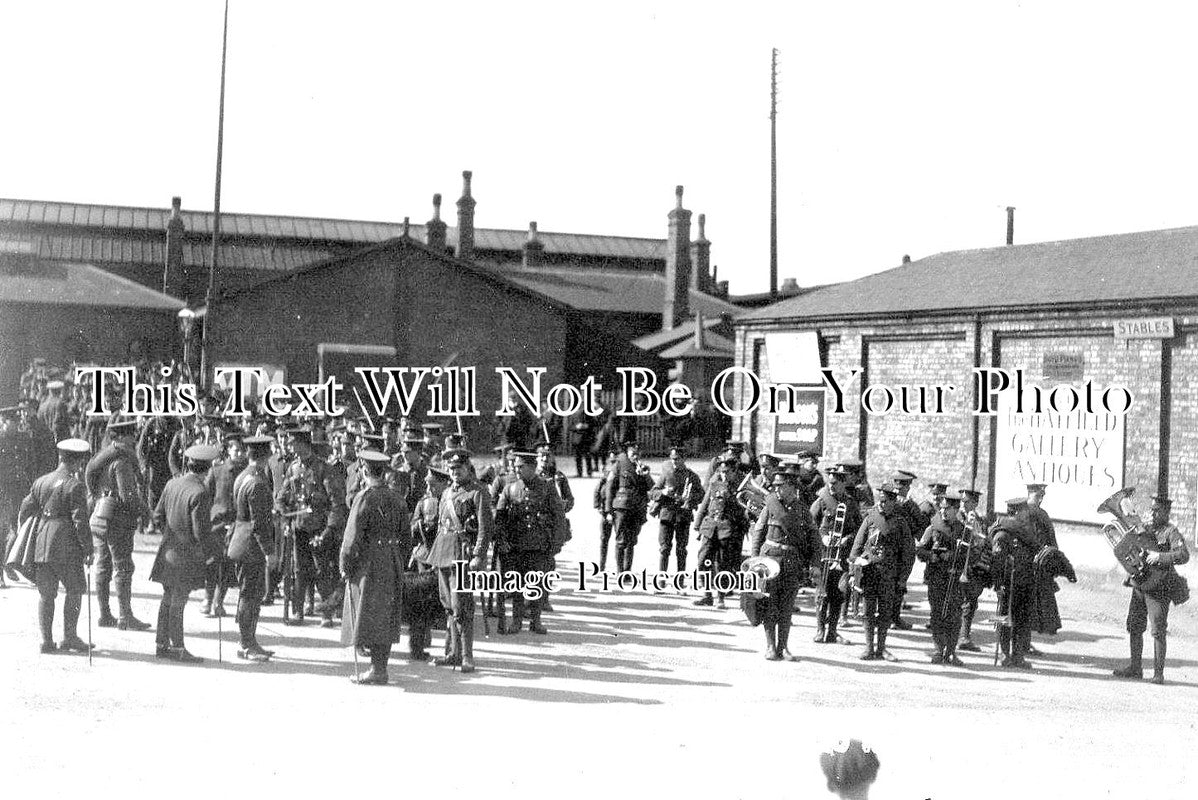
(780, 545)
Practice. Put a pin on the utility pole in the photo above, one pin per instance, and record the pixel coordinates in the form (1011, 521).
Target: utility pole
(214, 263)
(774, 174)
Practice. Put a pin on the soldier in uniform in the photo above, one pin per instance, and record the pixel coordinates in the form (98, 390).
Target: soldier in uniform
(1014, 546)
(784, 532)
(600, 503)
(975, 527)
(63, 544)
(627, 499)
(940, 548)
(916, 523)
(14, 476)
(153, 454)
(583, 439)
(251, 544)
(410, 468)
(743, 460)
(676, 494)
(372, 562)
(1046, 616)
(810, 479)
(721, 523)
(112, 473)
(54, 413)
(1150, 609)
(823, 514)
(184, 515)
(424, 518)
(530, 523)
(311, 484)
(219, 574)
(464, 527)
(882, 546)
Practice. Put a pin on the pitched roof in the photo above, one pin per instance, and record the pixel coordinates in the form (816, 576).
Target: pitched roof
(79, 285)
(714, 346)
(628, 292)
(658, 339)
(1129, 267)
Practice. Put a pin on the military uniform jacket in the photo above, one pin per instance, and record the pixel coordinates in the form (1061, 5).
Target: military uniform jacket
(719, 514)
(626, 489)
(14, 463)
(353, 482)
(313, 484)
(54, 414)
(464, 524)
(377, 535)
(562, 485)
(679, 492)
(253, 531)
(410, 481)
(113, 472)
(220, 481)
(63, 535)
(887, 539)
(529, 516)
(937, 548)
(424, 527)
(1042, 525)
(810, 487)
(917, 521)
(784, 531)
(600, 498)
(823, 516)
(184, 513)
(1013, 537)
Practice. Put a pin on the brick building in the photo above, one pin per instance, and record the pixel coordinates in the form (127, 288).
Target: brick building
(1110, 310)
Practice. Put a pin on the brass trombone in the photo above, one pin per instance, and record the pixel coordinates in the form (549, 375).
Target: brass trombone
(831, 552)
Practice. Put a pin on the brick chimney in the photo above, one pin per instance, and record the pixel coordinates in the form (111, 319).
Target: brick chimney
(1010, 225)
(700, 332)
(466, 219)
(173, 280)
(790, 286)
(534, 248)
(701, 260)
(676, 307)
(434, 229)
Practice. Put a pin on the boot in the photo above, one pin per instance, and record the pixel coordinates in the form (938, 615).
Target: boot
(106, 619)
(821, 635)
(1158, 660)
(468, 647)
(868, 653)
(453, 639)
(534, 622)
(602, 555)
(517, 622)
(206, 609)
(705, 600)
(128, 622)
(45, 618)
(883, 653)
(1134, 668)
(771, 643)
(784, 640)
(833, 635)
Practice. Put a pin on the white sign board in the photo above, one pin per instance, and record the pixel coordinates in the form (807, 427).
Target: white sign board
(794, 358)
(1078, 455)
(1144, 328)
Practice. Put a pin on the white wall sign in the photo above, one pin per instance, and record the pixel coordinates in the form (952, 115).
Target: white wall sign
(1078, 455)
(794, 358)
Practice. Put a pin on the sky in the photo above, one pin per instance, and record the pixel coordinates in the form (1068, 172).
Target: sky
(903, 128)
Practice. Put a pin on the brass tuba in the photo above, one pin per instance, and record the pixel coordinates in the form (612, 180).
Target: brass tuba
(751, 497)
(1129, 540)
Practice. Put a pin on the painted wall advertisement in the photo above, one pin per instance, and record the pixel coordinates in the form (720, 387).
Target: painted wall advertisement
(803, 429)
(794, 359)
(1078, 455)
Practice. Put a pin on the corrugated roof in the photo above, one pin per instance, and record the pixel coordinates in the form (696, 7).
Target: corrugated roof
(355, 232)
(609, 290)
(80, 285)
(1127, 267)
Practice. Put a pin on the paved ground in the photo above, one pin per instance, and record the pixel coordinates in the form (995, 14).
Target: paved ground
(630, 694)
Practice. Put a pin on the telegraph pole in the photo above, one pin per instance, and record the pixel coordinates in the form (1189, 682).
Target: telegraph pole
(214, 263)
(774, 174)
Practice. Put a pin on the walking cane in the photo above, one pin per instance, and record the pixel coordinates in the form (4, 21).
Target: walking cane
(88, 578)
(353, 613)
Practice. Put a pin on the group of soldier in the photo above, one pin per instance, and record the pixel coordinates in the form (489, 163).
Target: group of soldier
(857, 548)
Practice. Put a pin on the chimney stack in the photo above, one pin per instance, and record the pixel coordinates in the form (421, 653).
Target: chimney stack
(407, 227)
(906, 258)
(466, 219)
(1010, 224)
(700, 332)
(790, 286)
(434, 230)
(173, 279)
(534, 249)
(701, 260)
(676, 307)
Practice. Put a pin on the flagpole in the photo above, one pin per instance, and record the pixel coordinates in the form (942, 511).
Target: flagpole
(214, 263)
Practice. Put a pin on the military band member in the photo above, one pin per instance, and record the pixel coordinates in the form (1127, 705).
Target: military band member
(112, 474)
(836, 579)
(372, 564)
(784, 532)
(531, 524)
(1014, 546)
(424, 518)
(752, 493)
(464, 530)
(1149, 610)
(856, 483)
(184, 515)
(63, 543)
(976, 526)
(721, 523)
(677, 493)
(354, 480)
(409, 468)
(1046, 615)
(251, 543)
(916, 522)
(810, 480)
(600, 502)
(743, 460)
(882, 547)
(627, 499)
(53, 411)
(941, 548)
(219, 574)
(930, 507)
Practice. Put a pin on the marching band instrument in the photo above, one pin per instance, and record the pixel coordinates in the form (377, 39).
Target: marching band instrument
(766, 569)
(1129, 541)
(831, 552)
(751, 497)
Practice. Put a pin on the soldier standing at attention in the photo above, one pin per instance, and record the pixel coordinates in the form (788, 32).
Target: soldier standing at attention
(975, 527)
(63, 543)
(220, 574)
(835, 573)
(783, 532)
(883, 545)
(627, 498)
(916, 523)
(677, 493)
(1151, 607)
(464, 529)
(721, 523)
(938, 548)
(372, 565)
(1015, 546)
(184, 515)
(251, 545)
(530, 520)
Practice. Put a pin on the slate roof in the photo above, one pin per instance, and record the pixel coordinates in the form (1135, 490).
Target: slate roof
(1129, 267)
(80, 285)
(627, 292)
